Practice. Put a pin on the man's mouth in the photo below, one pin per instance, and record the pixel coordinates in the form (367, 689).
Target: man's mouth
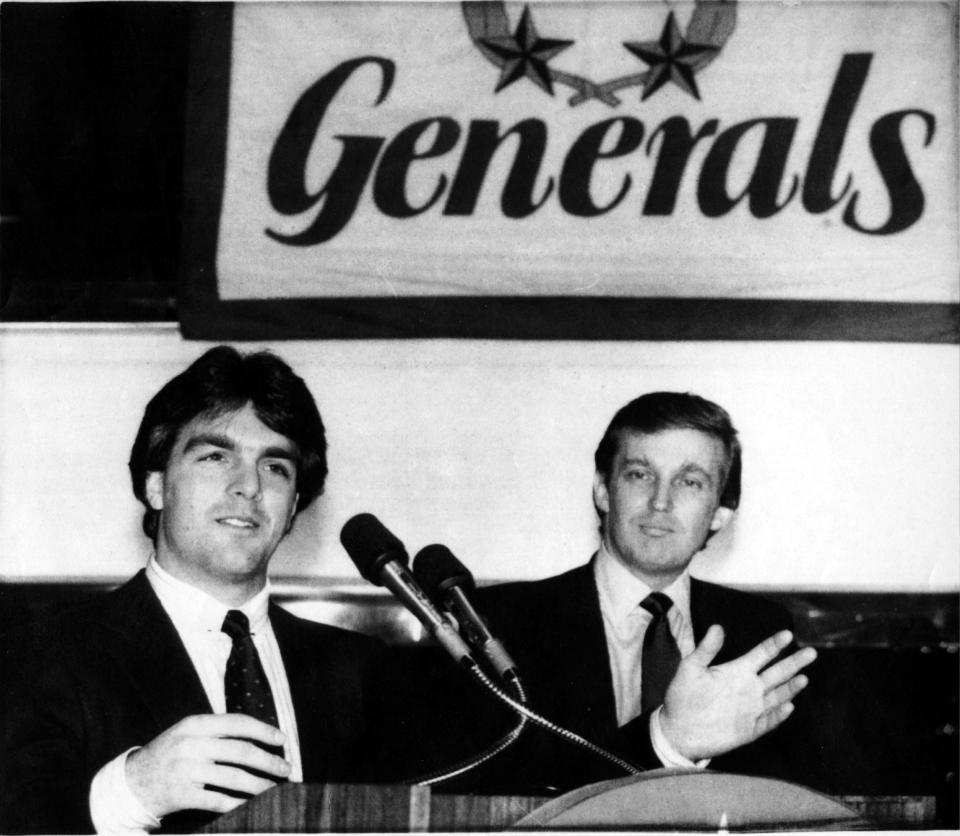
(238, 522)
(655, 530)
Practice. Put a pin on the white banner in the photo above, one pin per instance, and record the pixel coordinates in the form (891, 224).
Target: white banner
(728, 150)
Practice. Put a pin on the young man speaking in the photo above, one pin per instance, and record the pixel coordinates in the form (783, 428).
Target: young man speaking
(186, 691)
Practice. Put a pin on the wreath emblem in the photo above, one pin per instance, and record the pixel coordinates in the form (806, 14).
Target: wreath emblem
(674, 57)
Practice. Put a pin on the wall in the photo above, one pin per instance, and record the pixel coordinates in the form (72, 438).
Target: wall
(852, 466)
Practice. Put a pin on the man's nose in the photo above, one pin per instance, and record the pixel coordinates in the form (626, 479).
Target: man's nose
(246, 481)
(661, 498)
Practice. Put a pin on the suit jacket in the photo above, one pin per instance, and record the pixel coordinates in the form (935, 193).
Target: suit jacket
(115, 675)
(553, 628)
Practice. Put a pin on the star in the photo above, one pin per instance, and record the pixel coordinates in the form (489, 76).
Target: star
(525, 54)
(670, 59)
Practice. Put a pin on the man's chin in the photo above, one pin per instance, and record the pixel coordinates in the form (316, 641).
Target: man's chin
(244, 559)
(651, 567)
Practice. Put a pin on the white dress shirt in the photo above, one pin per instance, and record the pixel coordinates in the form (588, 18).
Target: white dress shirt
(198, 619)
(625, 624)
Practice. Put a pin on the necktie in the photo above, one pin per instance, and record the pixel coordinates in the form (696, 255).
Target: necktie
(245, 683)
(660, 652)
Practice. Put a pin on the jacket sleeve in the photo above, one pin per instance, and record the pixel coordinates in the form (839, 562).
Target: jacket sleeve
(44, 777)
(635, 742)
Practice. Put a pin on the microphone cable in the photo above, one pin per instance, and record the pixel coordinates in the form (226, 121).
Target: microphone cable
(553, 728)
(520, 707)
(444, 578)
(487, 754)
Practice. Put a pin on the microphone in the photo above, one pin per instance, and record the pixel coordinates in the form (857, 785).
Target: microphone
(444, 578)
(381, 559)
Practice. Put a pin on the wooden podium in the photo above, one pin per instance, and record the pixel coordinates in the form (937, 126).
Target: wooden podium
(657, 800)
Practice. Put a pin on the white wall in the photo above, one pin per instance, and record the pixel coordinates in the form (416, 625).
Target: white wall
(851, 469)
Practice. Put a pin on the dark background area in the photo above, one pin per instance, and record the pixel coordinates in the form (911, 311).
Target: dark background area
(91, 159)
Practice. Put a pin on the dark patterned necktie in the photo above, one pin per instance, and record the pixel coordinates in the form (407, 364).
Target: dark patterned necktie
(660, 652)
(245, 683)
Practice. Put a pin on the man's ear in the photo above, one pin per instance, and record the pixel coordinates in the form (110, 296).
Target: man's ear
(720, 518)
(154, 489)
(601, 496)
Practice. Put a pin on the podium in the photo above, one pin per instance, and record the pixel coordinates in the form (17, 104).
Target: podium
(662, 799)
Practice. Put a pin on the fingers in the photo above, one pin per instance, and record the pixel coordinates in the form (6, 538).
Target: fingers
(233, 778)
(201, 775)
(243, 753)
(783, 694)
(169, 772)
(705, 652)
(785, 669)
(769, 720)
(213, 796)
(231, 725)
(214, 802)
(766, 651)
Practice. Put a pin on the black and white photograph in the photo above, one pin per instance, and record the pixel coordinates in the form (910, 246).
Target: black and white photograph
(420, 415)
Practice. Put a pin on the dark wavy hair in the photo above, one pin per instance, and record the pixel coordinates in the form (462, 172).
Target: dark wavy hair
(222, 381)
(657, 411)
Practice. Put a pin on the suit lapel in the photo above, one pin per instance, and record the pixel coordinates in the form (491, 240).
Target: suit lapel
(707, 608)
(309, 694)
(589, 693)
(700, 610)
(149, 650)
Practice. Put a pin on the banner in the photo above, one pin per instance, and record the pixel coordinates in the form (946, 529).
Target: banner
(622, 170)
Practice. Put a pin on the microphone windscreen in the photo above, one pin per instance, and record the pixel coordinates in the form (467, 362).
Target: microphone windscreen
(437, 569)
(370, 544)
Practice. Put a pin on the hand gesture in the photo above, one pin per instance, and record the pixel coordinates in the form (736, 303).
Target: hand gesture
(708, 711)
(171, 772)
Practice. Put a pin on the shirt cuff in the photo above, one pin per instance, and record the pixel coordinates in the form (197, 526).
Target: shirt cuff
(664, 750)
(114, 808)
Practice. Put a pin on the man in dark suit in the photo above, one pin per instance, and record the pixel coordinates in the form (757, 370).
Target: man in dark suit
(186, 691)
(633, 653)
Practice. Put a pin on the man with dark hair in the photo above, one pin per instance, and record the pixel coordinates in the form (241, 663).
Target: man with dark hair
(186, 691)
(223, 381)
(630, 651)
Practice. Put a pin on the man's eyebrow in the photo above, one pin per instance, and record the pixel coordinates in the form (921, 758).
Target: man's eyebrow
(209, 440)
(225, 442)
(280, 453)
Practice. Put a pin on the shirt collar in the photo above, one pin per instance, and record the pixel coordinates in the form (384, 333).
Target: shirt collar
(191, 608)
(621, 591)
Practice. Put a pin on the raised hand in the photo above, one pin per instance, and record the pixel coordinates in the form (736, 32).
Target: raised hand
(172, 772)
(709, 710)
